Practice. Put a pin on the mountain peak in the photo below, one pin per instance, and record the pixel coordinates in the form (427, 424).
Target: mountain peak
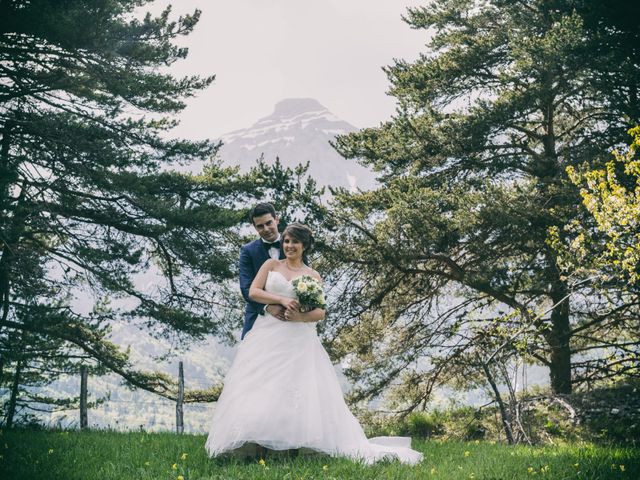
(298, 131)
(290, 107)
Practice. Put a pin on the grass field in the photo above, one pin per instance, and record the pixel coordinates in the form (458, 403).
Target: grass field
(106, 455)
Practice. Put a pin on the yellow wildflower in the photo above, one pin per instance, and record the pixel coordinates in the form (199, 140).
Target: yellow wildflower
(433, 471)
(174, 466)
(180, 477)
(467, 453)
(325, 467)
(577, 465)
(613, 466)
(530, 470)
(262, 462)
(622, 468)
(183, 456)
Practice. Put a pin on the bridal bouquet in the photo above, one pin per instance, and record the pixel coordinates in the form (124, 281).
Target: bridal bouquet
(309, 292)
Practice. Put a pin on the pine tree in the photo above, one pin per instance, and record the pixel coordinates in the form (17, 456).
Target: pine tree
(88, 196)
(454, 250)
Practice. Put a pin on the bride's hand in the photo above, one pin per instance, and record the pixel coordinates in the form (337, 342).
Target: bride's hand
(290, 303)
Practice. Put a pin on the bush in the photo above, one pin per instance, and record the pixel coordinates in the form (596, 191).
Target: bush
(604, 415)
(424, 424)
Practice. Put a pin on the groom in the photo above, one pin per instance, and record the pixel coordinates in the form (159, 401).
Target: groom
(264, 219)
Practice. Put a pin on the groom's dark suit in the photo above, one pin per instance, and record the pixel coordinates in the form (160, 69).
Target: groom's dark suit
(252, 256)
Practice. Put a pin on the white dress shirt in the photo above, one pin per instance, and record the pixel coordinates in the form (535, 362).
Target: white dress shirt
(273, 251)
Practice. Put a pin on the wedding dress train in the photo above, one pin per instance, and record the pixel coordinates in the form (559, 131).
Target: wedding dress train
(282, 392)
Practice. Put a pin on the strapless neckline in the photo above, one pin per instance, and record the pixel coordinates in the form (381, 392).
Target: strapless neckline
(285, 278)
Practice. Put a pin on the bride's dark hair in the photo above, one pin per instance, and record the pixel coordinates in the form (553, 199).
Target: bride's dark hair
(303, 234)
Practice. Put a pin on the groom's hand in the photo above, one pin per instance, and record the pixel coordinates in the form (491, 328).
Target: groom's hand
(277, 311)
(292, 315)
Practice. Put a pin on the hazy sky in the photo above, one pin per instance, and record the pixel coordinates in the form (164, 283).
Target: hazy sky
(262, 51)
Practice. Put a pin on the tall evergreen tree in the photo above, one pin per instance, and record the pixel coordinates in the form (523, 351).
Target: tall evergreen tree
(88, 199)
(454, 248)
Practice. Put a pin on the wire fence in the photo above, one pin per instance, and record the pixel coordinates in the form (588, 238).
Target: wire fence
(129, 410)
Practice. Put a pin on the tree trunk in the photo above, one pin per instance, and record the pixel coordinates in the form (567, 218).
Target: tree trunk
(5, 182)
(506, 423)
(560, 333)
(11, 411)
(559, 341)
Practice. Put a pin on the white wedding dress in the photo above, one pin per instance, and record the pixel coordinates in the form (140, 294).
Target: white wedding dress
(282, 392)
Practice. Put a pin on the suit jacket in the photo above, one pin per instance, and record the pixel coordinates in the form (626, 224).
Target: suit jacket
(252, 256)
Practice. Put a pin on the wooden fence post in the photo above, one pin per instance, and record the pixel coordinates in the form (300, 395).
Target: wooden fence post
(84, 375)
(180, 400)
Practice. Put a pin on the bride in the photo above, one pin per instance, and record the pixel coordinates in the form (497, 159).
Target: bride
(281, 391)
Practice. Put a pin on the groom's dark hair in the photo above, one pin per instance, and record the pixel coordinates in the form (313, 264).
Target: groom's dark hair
(261, 209)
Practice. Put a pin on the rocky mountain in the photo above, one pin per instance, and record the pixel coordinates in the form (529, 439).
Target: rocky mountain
(298, 131)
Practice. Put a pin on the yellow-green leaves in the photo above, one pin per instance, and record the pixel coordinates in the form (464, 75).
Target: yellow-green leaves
(611, 194)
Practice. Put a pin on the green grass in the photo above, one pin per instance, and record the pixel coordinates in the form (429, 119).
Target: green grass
(105, 455)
